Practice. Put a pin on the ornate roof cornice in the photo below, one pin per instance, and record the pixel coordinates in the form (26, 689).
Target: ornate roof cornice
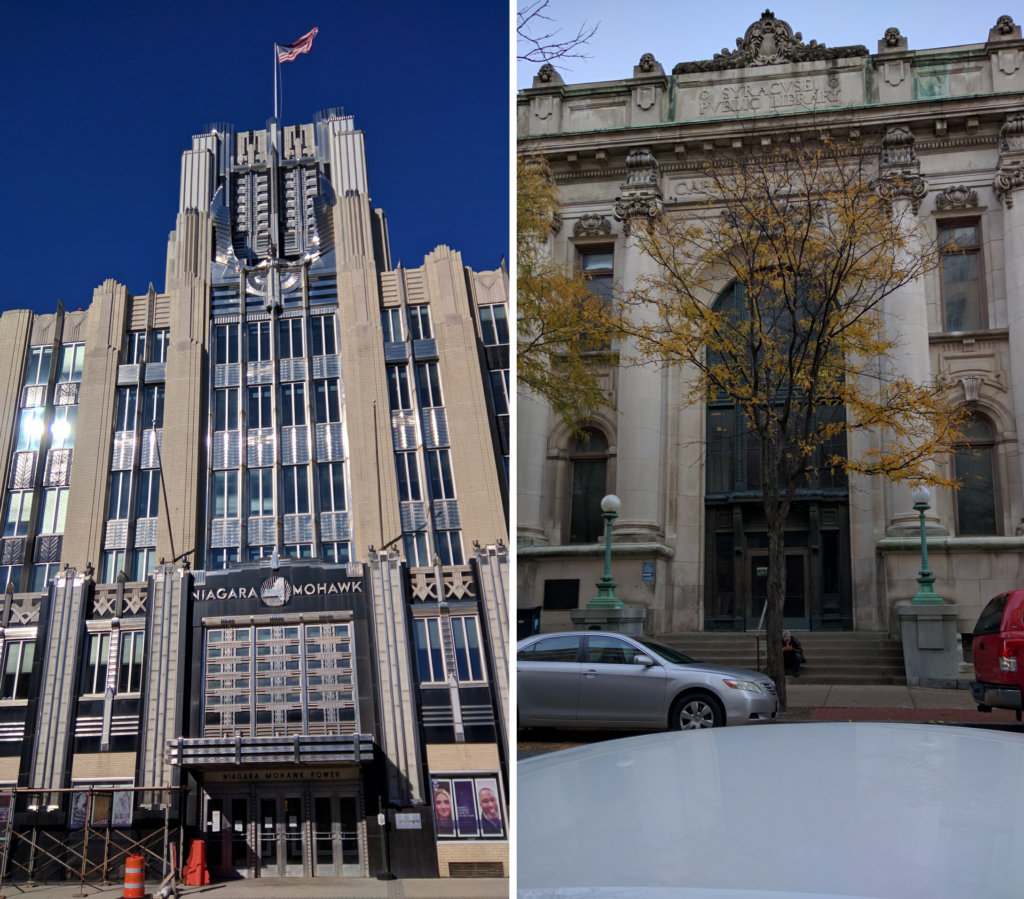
(768, 42)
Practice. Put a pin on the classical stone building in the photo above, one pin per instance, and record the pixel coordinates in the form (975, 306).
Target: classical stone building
(255, 534)
(690, 540)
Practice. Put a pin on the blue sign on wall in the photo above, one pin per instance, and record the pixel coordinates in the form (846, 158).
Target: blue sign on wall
(648, 575)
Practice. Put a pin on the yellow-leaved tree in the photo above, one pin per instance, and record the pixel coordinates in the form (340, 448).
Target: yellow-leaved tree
(562, 327)
(776, 290)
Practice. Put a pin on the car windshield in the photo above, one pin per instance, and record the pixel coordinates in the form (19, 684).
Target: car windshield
(666, 652)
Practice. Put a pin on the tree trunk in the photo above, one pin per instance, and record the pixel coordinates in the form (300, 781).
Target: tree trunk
(776, 597)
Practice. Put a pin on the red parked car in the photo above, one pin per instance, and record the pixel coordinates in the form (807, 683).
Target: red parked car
(999, 654)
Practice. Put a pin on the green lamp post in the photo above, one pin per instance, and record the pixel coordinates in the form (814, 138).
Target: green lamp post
(606, 598)
(926, 595)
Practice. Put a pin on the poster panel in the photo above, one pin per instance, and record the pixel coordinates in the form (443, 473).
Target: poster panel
(122, 812)
(465, 807)
(101, 810)
(489, 804)
(79, 808)
(441, 798)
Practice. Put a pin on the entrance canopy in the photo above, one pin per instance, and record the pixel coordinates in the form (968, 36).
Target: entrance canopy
(209, 752)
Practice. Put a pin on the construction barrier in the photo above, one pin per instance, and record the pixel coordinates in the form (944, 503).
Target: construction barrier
(135, 877)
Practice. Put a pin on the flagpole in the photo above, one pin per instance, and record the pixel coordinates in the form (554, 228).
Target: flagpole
(275, 81)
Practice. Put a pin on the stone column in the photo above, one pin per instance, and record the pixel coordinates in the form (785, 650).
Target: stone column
(1008, 187)
(906, 309)
(639, 440)
(531, 457)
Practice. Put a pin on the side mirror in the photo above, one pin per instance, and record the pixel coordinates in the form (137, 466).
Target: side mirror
(642, 659)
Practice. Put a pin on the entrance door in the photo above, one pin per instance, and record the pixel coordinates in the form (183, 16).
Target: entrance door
(795, 614)
(268, 837)
(294, 836)
(336, 837)
(227, 836)
(238, 841)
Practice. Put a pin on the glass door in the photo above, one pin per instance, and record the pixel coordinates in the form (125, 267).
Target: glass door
(350, 865)
(324, 838)
(269, 865)
(294, 827)
(239, 836)
(794, 607)
(216, 834)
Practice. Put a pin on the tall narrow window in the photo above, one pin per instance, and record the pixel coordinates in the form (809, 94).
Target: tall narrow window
(419, 323)
(428, 383)
(416, 552)
(293, 405)
(129, 678)
(71, 360)
(439, 465)
(113, 565)
(158, 342)
(468, 658)
(55, 507)
(225, 344)
(449, 547)
(290, 337)
(225, 494)
(136, 348)
(143, 563)
(321, 328)
(120, 492)
(258, 334)
(38, 370)
(589, 463)
(391, 323)
(962, 277)
(127, 399)
(19, 510)
(398, 388)
(332, 486)
(296, 489)
(94, 675)
(259, 415)
(148, 502)
(597, 267)
(62, 430)
(494, 325)
(225, 409)
(153, 409)
(429, 655)
(408, 477)
(18, 658)
(30, 428)
(261, 491)
(328, 404)
(721, 466)
(974, 466)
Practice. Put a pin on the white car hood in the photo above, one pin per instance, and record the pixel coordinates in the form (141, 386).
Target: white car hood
(889, 811)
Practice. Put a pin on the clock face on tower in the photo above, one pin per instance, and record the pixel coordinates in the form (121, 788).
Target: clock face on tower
(275, 591)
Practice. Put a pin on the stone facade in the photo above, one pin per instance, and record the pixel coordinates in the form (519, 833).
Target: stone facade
(265, 508)
(952, 121)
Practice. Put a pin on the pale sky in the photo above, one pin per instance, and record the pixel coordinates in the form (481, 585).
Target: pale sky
(685, 30)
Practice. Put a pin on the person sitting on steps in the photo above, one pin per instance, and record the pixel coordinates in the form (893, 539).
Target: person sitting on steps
(792, 653)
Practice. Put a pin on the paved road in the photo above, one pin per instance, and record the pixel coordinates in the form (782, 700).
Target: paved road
(821, 702)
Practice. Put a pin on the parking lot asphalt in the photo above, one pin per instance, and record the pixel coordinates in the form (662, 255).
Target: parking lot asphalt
(820, 702)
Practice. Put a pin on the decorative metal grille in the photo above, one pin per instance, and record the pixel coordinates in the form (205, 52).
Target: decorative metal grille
(23, 471)
(34, 396)
(225, 532)
(292, 369)
(117, 534)
(424, 349)
(66, 394)
(155, 372)
(12, 551)
(403, 430)
(435, 427)
(295, 445)
(58, 468)
(260, 373)
(395, 352)
(326, 366)
(227, 375)
(262, 531)
(145, 532)
(48, 548)
(261, 445)
(127, 374)
(335, 526)
(227, 450)
(330, 447)
(123, 455)
(446, 514)
(151, 444)
(228, 688)
(413, 516)
(298, 528)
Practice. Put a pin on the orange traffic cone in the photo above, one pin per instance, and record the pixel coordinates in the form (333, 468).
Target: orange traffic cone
(134, 877)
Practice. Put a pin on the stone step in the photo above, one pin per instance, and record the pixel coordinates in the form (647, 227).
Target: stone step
(848, 680)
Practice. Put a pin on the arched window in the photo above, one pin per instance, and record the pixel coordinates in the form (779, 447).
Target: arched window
(974, 467)
(589, 462)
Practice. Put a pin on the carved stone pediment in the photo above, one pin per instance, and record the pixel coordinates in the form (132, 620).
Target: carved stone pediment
(768, 42)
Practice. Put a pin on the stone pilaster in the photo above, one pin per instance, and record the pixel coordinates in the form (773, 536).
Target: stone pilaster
(906, 309)
(1009, 188)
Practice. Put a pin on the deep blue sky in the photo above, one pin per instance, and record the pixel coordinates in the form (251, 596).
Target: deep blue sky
(100, 99)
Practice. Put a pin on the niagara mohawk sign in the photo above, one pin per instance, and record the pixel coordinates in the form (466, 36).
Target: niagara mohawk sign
(276, 588)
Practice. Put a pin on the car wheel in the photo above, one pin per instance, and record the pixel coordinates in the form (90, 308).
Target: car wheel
(695, 712)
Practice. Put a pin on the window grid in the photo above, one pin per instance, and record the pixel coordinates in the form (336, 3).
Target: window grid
(17, 669)
(419, 323)
(129, 678)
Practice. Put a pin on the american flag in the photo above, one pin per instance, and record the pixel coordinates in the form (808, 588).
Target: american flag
(304, 44)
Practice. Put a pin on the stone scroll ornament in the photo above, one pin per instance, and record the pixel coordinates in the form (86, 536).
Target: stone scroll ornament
(592, 226)
(956, 198)
(641, 192)
(768, 42)
(1011, 170)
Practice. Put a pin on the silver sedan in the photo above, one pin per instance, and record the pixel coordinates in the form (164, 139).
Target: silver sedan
(597, 679)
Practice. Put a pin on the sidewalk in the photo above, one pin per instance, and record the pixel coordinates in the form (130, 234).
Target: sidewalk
(821, 702)
(285, 887)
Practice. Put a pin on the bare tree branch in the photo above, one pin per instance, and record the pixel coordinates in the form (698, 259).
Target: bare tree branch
(536, 44)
